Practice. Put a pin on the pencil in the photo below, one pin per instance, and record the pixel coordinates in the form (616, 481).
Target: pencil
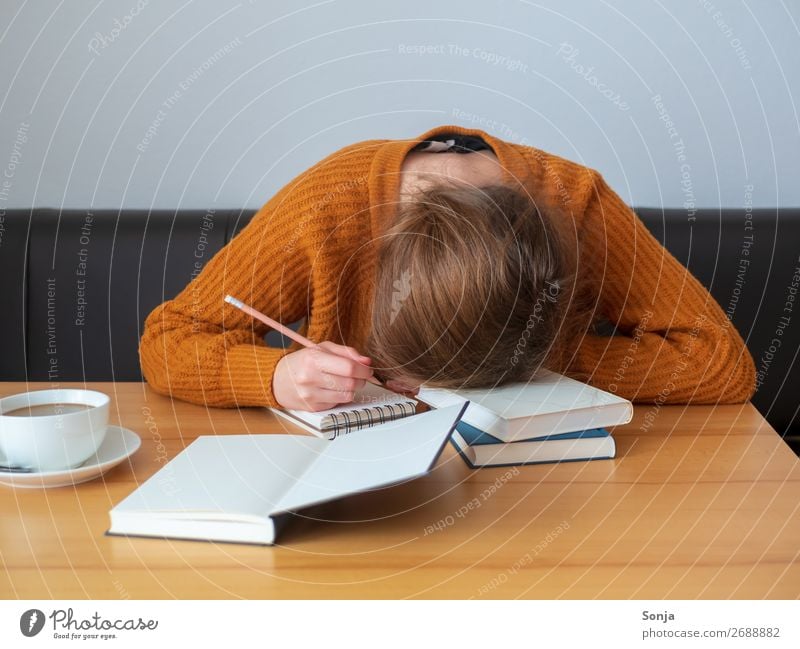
(286, 331)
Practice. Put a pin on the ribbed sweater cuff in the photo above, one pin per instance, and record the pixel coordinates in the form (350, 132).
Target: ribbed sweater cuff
(250, 370)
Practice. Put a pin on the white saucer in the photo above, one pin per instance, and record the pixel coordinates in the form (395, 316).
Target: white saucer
(118, 445)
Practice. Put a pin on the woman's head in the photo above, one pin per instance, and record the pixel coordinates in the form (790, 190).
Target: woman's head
(472, 287)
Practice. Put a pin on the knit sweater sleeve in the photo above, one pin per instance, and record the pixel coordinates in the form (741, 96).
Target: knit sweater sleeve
(198, 348)
(673, 342)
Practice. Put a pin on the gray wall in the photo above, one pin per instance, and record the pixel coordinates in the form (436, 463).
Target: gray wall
(212, 104)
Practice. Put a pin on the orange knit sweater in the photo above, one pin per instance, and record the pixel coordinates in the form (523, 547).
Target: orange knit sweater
(310, 252)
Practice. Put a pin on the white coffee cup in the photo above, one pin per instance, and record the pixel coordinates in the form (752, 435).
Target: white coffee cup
(52, 442)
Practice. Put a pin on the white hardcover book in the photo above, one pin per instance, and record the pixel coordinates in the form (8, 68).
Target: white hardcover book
(548, 404)
(236, 488)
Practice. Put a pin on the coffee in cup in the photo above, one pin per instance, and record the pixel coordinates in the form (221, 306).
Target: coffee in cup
(47, 409)
(52, 430)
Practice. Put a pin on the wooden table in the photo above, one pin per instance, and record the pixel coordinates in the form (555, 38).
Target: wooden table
(702, 503)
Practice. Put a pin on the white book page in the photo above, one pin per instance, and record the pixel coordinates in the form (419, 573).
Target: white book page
(221, 476)
(374, 457)
(547, 393)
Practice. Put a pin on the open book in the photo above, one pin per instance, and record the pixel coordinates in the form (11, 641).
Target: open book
(235, 487)
(549, 403)
(371, 405)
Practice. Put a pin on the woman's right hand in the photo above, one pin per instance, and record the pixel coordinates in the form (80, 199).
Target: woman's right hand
(321, 377)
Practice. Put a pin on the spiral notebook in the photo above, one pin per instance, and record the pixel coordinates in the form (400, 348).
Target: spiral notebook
(371, 405)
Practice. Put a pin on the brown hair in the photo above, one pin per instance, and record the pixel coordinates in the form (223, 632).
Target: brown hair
(473, 288)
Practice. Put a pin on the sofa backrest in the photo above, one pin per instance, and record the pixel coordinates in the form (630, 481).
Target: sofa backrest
(77, 285)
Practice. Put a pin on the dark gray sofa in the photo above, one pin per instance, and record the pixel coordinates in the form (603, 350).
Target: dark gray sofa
(77, 285)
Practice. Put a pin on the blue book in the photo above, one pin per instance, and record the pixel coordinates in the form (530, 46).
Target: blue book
(479, 449)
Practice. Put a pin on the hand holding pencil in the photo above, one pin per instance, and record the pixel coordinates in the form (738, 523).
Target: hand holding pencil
(320, 376)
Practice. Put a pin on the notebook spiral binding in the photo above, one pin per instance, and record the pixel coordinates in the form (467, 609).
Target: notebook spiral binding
(345, 422)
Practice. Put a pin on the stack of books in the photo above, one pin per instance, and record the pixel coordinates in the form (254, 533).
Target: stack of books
(552, 418)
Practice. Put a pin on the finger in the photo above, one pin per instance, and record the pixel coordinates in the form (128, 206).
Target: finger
(340, 365)
(343, 350)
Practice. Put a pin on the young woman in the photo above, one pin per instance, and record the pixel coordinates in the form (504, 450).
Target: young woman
(455, 259)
